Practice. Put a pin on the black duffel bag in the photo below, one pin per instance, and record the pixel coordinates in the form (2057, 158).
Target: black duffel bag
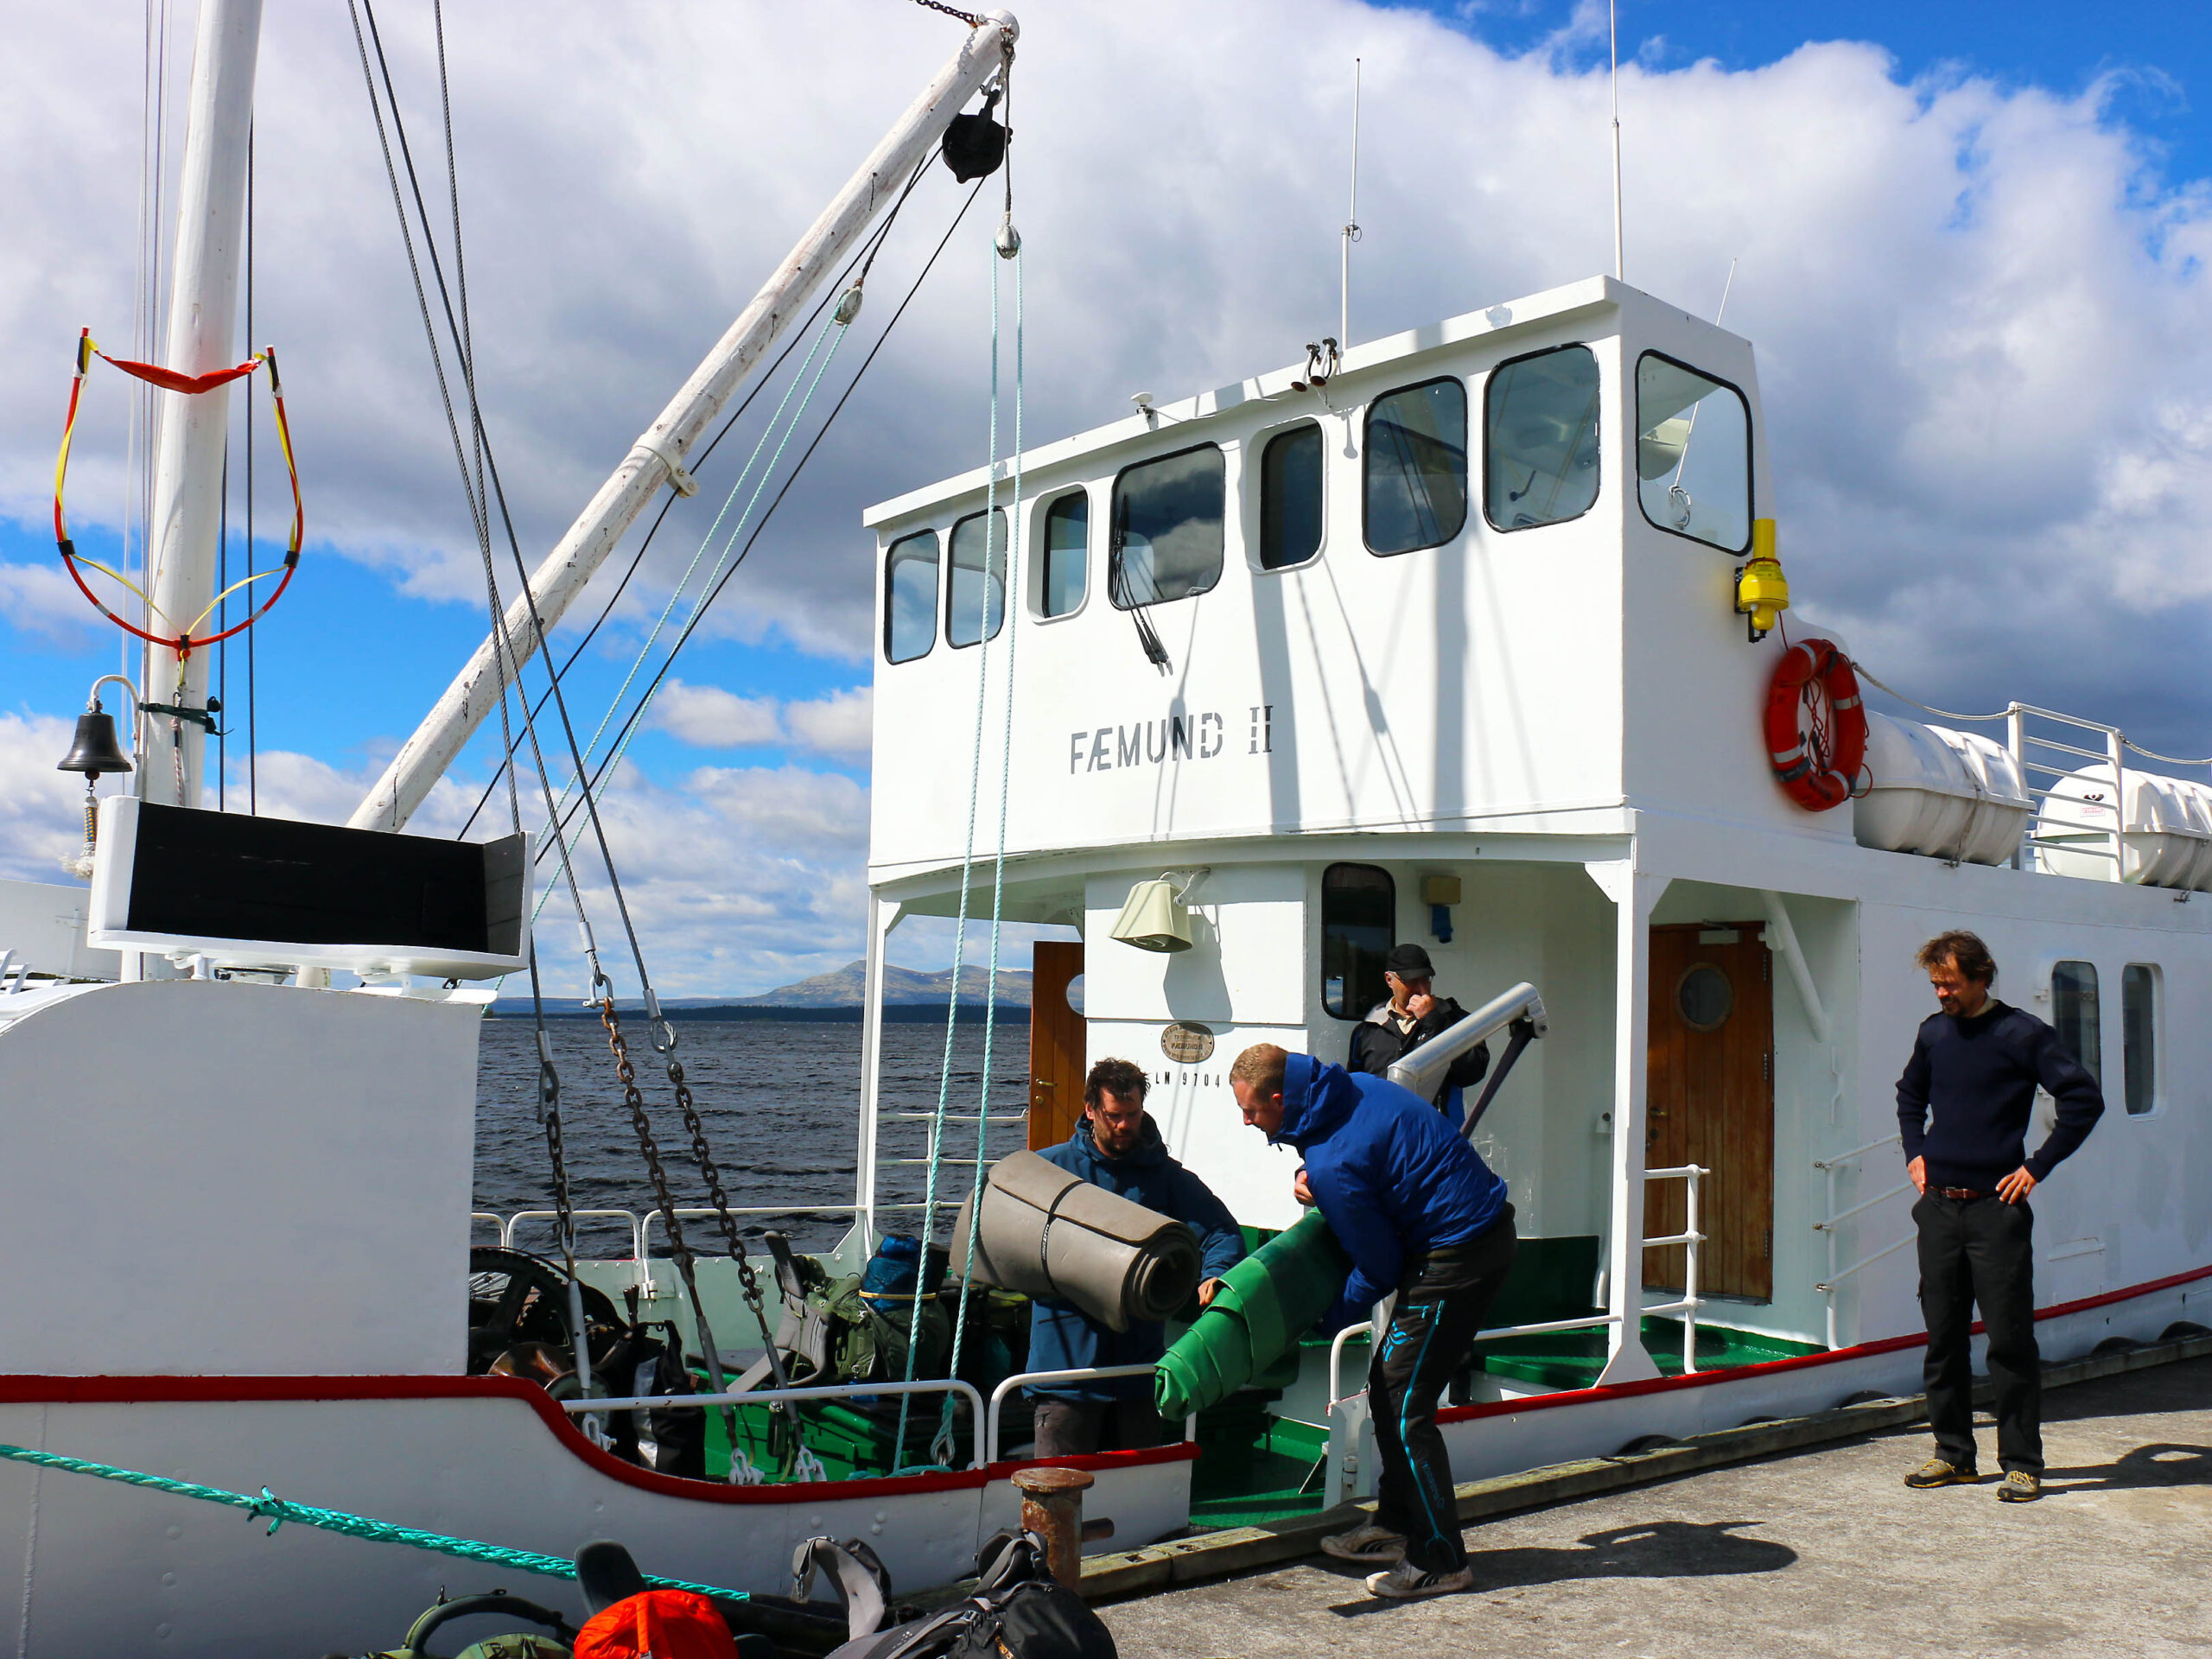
(1017, 1610)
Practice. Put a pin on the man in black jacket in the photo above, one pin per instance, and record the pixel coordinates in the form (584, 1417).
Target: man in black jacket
(1977, 1065)
(1412, 1015)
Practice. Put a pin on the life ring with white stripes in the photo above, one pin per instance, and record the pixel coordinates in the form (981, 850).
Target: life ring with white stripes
(1815, 725)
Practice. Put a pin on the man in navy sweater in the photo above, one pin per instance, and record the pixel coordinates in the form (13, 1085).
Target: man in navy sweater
(1963, 1105)
(1421, 1214)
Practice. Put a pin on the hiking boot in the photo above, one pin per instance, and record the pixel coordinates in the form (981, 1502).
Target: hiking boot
(2019, 1486)
(1940, 1471)
(1365, 1542)
(1406, 1582)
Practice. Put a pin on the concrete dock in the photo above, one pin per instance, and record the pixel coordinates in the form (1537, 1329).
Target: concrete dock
(1822, 1552)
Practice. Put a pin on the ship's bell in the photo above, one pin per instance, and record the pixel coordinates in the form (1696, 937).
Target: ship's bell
(96, 750)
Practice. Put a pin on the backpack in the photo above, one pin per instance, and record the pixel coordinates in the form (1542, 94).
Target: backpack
(659, 1624)
(1016, 1612)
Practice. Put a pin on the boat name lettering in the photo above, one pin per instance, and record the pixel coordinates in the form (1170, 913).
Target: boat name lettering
(1172, 737)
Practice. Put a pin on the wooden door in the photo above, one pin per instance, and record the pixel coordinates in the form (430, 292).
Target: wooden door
(1710, 1095)
(1057, 1044)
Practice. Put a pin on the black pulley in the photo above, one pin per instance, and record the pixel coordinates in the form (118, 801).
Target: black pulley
(95, 751)
(976, 144)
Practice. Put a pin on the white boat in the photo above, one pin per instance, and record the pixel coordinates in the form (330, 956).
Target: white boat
(1439, 641)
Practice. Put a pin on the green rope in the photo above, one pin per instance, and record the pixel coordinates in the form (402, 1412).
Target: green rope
(278, 1512)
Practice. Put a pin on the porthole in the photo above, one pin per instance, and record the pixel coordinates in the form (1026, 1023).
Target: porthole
(1704, 998)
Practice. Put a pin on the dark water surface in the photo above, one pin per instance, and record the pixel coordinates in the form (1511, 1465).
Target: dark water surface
(780, 1103)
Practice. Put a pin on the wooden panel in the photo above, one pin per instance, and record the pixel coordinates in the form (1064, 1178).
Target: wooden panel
(1710, 1095)
(1057, 1044)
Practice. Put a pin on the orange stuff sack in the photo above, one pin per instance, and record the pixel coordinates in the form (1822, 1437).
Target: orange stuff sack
(663, 1624)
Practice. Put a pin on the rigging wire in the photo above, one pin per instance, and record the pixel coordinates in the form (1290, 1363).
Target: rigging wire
(797, 469)
(831, 291)
(252, 722)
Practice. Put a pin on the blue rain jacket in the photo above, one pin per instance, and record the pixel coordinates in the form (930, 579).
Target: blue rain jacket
(1393, 1177)
(1060, 1337)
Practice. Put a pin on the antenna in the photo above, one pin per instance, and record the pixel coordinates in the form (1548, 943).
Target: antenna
(1352, 217)
(1724, 289)
(1613, 29)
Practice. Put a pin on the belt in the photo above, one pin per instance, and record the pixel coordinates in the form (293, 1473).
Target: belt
(1959, 1193)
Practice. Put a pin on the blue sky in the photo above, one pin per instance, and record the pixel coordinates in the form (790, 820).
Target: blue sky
(1948, 194)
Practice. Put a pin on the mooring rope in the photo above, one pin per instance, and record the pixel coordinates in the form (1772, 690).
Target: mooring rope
(279, 1510)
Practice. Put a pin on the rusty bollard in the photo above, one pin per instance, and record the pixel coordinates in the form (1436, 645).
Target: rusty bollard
(1052, 1507)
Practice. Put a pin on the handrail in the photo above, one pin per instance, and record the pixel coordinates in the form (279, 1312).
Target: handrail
(1073, 1374)
(771, 1396)
(1827, 1224)
(699, 1212)
(637, 1234)
(492, 1216)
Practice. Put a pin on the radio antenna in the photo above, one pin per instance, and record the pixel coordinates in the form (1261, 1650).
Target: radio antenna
(1613, 30)
(1351, 219)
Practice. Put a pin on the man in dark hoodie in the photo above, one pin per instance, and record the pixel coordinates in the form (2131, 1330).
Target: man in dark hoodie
(1963, 1106)
(1408, 1017)
(1421, 1214)
(1117, 1146)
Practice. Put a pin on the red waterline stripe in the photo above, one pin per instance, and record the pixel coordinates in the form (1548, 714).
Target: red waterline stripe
(1797, 1362)
(206, 1391)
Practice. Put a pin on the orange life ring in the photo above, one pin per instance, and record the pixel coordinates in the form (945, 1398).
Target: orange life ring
(1817, 760)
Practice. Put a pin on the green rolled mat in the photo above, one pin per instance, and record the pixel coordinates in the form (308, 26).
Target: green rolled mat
(1266, 1303)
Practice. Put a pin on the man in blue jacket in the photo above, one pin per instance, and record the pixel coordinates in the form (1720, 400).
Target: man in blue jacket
(1117, 1146)
(1421, 1215)
(1963, 1106)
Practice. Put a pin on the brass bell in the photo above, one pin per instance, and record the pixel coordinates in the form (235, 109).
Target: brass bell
(96, 750)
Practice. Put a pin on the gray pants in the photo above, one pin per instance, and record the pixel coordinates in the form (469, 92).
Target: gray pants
(1074, 1428)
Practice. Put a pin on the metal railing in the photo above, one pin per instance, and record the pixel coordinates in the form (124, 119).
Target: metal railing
(1828, 1223)
(1075, 1374)
(774, 1396)
(1687, 1304)
(2075, 834)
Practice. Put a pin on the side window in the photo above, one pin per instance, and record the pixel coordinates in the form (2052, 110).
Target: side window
(1540, 439)
(1692, 453)
(1167, 528)
(1063, 568)
(976, 598)
(910, 598)
(1290, 497)
(2073, 1014)
(1416, 456)
(1359, 918)
(2139, 1036)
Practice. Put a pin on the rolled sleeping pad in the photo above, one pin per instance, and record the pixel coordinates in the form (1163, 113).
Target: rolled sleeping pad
(1266, 1303)
(1044, 1232)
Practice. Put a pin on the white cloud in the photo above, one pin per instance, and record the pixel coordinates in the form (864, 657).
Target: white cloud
(708, 717)
(39, 600)
(839, 724)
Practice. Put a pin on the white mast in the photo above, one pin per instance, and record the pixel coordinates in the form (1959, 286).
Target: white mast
(1613, 34)
(652, 460)
(1351, 220)
(186, 505)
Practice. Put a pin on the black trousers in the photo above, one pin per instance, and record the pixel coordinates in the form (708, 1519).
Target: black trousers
(1980, 1251)
(1074, 1428)
(1442, 1305)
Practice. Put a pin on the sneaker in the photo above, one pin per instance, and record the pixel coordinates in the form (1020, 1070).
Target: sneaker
(1365, 1542)
(1406, 1582)
(1940, 1471)
(2019, 1486)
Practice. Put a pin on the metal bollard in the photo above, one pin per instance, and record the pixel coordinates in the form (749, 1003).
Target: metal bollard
(1052, 1507)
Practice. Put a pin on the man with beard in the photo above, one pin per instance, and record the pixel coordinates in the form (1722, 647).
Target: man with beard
(1117, 1146)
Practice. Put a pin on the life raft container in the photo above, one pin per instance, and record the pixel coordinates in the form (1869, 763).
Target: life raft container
(1816, 759)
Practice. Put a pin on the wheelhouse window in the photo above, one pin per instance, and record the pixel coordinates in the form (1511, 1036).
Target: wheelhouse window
(1359, 920)
(1540, 439)
(910, 598)
(1290, 497)
(2073, 1014)
(1167, 528)
(975, 599)
(1692, 453)
(2139, 1036)
(1416, 456)
(1063, 562)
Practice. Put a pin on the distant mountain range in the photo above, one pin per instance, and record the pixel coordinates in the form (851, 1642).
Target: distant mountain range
(832, 995)
(843, 988)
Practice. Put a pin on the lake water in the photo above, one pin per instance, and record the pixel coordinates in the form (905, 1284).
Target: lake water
(780, 1103)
